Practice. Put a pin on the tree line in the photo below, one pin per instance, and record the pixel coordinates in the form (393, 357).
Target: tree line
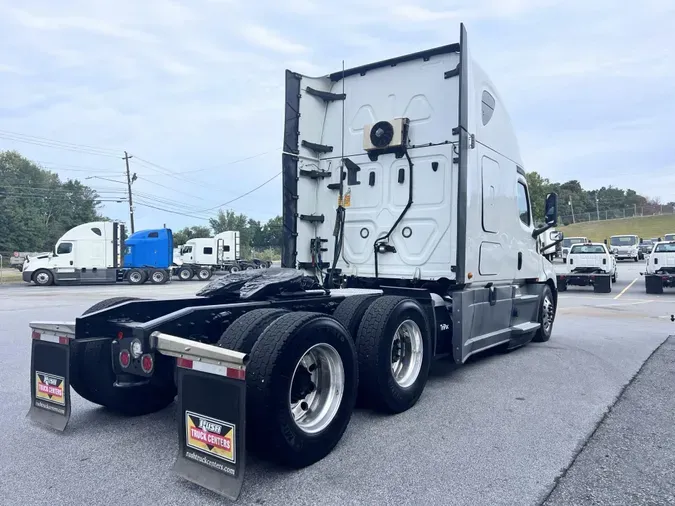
(256, 237)
(572, 196)
(36, 207)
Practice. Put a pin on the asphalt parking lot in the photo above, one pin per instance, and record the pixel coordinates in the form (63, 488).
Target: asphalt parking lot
(502, 429)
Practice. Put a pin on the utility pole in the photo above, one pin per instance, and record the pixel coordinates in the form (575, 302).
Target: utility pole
(570, 203)
(129, 181)
(597, 209)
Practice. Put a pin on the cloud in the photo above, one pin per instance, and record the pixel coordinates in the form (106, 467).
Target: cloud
(191, 85)
(268, 39)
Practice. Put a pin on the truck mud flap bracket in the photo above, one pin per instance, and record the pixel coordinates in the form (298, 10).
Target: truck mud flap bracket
(211, 413)
(49, 371)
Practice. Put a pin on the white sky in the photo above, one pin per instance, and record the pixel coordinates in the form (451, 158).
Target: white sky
(191, 85)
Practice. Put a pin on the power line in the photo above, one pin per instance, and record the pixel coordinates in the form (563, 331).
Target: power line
(246, 194)
(45, 139)
(173, 212)
(55, 145)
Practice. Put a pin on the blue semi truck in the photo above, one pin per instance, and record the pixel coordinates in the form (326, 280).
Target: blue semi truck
(99, 253)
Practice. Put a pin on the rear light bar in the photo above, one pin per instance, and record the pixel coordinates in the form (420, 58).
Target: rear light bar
(52, 338)
(221, 370)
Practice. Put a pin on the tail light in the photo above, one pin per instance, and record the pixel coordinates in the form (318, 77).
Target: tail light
(147, 363)
(125, 358)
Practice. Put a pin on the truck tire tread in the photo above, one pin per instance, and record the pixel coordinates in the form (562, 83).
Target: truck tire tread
(243, 333)
(351, 310)
(270, 434)
(377, 387)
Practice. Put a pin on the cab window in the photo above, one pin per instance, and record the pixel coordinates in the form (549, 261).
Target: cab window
(523, 204)
(64, 248)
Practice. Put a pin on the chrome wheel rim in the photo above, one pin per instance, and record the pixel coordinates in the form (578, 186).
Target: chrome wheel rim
(547, 314)
(185, 274)
(135, 277)
(234, 269)
(203, 274)
(317, 387)
(157, 277)
(42, 278)
(407, 351)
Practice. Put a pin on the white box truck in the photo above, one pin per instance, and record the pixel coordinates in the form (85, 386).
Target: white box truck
(407, 236)
(626, 247)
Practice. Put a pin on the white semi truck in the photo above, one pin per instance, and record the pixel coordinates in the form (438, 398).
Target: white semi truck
(223, 251)
(549, 244)
(407, 236)
(99, 252)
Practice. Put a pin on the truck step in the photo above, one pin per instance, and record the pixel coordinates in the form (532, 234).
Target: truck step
(523, 298)
(525, 328)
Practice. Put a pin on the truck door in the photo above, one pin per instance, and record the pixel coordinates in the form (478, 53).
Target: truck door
(528, 260)
(187, 254)
(64, 261)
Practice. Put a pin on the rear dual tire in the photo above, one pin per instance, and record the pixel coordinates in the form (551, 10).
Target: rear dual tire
(301, 382)
(394, 350)
(92, 375)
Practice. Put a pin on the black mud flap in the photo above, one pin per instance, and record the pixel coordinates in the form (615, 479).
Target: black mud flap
(49, 382)
(211, 426)
(602, 284)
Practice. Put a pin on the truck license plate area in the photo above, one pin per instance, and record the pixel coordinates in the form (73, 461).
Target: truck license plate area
(50, 386)
(211, 402)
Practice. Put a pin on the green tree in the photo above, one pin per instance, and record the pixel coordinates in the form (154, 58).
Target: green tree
(36, 207)
(187, 233)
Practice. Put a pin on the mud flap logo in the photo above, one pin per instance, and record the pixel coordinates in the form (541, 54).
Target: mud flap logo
(210, 436)
(49, 387)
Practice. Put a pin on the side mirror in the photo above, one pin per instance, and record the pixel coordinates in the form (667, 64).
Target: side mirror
(555, 236)
(605, 241)
(550, 215)
(551, 209)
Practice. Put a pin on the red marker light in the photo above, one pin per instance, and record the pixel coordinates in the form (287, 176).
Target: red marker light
(125, 358)
(147, 363)
(120, 335)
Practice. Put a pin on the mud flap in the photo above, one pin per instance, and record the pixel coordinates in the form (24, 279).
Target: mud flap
(211, 418)
(49, 370)
(602, 283)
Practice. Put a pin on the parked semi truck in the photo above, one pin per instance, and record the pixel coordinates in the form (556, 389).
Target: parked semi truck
(549, 244)
(98, 253)
(660, 272)
(223, 251)
(413, 240)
